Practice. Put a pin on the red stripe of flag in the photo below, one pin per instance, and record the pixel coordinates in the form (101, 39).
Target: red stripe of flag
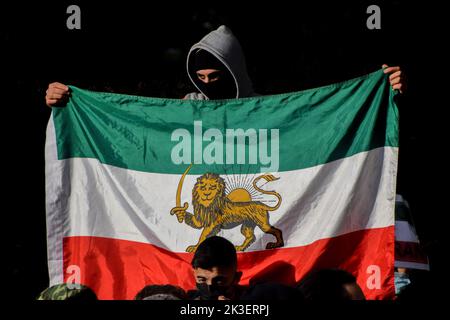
(118, 269)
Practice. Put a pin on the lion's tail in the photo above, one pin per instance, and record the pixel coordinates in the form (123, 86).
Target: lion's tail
(268, 178)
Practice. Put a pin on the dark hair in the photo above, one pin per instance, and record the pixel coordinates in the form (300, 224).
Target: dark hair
(326, 284)
(155, 289)
(215, 252)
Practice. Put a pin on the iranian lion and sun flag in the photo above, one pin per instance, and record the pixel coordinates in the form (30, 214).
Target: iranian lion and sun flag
(295, 181)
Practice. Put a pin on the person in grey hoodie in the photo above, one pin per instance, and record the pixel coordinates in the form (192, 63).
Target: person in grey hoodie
(216, 66)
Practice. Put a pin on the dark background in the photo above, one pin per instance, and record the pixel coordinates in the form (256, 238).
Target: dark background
(139, 47)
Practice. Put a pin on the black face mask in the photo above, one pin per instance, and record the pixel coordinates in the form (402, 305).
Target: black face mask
(211, 292)
(223, 88)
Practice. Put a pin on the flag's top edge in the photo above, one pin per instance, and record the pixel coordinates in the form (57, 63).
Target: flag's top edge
(221, 101)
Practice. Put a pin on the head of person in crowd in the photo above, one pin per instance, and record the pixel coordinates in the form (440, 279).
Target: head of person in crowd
(272, 291)
(68, 291)
(215, 270)
(217, 68)
(161, 292)
(330, 285)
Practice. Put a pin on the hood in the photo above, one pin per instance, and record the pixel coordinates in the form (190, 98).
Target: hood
(223, 45)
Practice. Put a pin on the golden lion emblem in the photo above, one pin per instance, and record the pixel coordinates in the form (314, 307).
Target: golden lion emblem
(214, 210)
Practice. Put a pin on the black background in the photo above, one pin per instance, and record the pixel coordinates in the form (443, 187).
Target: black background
(139, 47)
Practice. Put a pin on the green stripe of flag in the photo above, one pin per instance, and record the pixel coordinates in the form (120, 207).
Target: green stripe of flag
(314, 127)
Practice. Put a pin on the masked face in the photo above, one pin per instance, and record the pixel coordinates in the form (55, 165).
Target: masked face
(215, 282)
(216, 83)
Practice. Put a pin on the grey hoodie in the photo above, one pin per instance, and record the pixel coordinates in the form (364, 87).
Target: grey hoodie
(224, 46)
